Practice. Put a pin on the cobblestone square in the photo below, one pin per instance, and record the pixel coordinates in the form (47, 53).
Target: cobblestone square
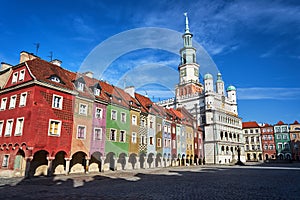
(194, 182)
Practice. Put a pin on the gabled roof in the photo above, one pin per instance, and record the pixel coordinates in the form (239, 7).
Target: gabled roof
(129, 100)
(146, 103)
(111, 93)
(280, 123)
(42, 70)
(178, 114)
(296, 122)
(92, 83)
(251, 124)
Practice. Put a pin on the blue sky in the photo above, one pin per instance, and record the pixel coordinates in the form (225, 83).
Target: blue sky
(254, 44)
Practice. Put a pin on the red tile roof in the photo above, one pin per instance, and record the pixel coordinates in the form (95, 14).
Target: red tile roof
(296, 122)
(145, 102)
(251, 124)
(280, 123)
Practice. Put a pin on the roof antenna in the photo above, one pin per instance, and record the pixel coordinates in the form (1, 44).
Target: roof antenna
(37, 46)
(50, 56)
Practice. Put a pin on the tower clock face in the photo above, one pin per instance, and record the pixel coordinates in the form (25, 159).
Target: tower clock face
(183, 72)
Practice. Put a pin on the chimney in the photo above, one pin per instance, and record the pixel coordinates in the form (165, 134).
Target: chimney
(130, 90)
(25, 56)
(56, 62)
(89, 74)
(5, 66)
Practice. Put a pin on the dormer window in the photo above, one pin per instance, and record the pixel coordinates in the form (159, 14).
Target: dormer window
(22, 75)
(55, 79)
(80, 83)
(80, 86)
(15, 77)
(96, 91)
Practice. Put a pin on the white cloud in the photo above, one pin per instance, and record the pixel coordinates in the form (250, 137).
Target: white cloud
(258, 93)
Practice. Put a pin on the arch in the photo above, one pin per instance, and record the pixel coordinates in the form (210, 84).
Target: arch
(158, 160)
(150, 159)
(280, 156)
(59, 163)
(95, 162)
(288, 156)
(183, 160)
(20, 163)
(110, 158)
(122, 160)
(39, 164)
(267, 156)
(221, 135)
(78, 162)
(132, 159)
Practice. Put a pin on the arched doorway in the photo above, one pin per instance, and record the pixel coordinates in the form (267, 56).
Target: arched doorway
(158, 160)
(39, 164)
(150, 159)
(78, 162)
(110, 159)
(122, 160)
(142, 160)
(59, 163)
(20, 163)
(266, 156)
(95, 162)
(132, 160)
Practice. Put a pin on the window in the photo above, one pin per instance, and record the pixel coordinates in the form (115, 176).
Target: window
(266, 147)
(246, 139)
(264, 130)
(23, 98)
(252, 139)
(159, 127)
(98, 113)
(96, 92)
(284, 137)
(15, 77)
(114, 115)
(133, 137)
(55, 79)
(123, 117)
(165, 128)
(3, 103)
(80, 86)
(158, 142)
(151, 124)
(251, 131)
(270, 137)
(9, 126)
(247, 147)
(19, 126)
(284, 129)
(122, 136)
(81, 130)
(12, 103)
(151, 140)
(143, 140)
(277, 129)
(196, 146)
(258, 147)
(257, 138)
(5, 161)
(83, 109)
(165, 143)
(143, 123)
(98, 134)
(22, 75)
(271, 146)
(57, 101)
(294, 136)
(1, 127)
(174, 144)
(256, 130)
(54, 127)
(279, 137)
(133, 120)
(286, 146)
(265, 137)
(112, 135)
(246, 131)
(253, 147)
(279, 146)
(169, 129)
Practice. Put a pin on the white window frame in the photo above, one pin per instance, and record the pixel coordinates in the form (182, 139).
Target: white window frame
(23, 99)
(1, 127)
(22, 75)
(8, 130)
(5, 161)
(133, 137)
(123, 117)
(100, 113)
(134, 120)
(143, 140)
(84, 133)
(83, 111)
(60, 101)
(3, 103)
(12, 101)
(151, 141)
(51, 130)
(100, 135)
(112, 115)
(96, 91)
(80, 86)
(122, 136)
(14, 78)
(159, 127)
(110, 135)
(19, 126)
(158, 142)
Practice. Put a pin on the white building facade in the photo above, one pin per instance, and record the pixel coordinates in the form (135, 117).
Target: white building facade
(215, 110)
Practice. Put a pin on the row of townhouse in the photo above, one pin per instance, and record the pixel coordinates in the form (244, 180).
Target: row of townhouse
(264, 142)
(54, 121)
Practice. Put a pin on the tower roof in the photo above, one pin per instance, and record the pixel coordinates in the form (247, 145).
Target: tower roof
(208, 76)
(187, 29)
(231, 88)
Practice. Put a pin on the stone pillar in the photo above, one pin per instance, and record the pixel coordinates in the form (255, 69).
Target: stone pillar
(67, 165)
(102, 164)
(116, 162)
(87, 163)
(49, 167)
(27, 169)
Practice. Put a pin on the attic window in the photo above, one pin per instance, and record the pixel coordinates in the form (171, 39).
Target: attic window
(80, 86)
(96, 91)
(130, 102)
(55, 79)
